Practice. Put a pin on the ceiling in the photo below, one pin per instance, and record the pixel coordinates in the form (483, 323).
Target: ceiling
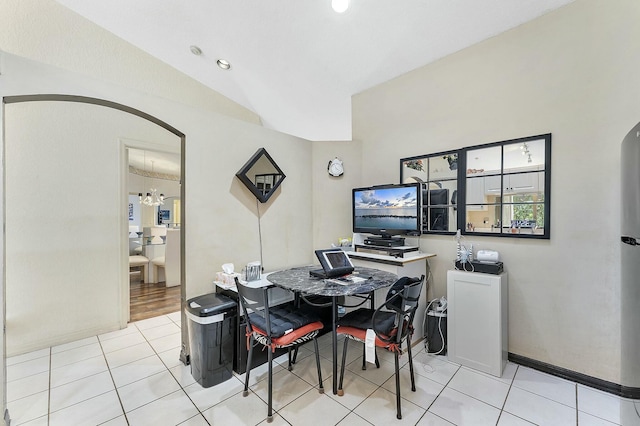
(155, 161)
(297, 63)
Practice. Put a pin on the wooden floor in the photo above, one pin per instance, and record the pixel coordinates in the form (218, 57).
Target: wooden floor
(151, 300)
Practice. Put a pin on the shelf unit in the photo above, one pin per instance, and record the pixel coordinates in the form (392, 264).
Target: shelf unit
(397, 251)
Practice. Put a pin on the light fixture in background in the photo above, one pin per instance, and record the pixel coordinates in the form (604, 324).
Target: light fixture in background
(195, 50)
(152, 199)
(340, 6)
(525, 151)
(223, 64)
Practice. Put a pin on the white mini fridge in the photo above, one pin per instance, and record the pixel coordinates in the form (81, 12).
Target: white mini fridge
(477, 310)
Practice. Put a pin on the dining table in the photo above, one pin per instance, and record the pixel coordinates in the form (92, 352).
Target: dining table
(362, 281)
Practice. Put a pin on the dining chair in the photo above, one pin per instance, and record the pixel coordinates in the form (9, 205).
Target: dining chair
(392, 323)
(282, 326)
(142, 263)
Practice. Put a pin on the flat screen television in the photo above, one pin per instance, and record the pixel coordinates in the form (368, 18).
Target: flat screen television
(387, 210)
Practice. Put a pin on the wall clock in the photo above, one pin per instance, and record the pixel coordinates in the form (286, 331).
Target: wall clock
(335, 167)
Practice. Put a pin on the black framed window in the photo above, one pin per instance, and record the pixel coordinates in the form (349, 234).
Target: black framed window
(496, 189)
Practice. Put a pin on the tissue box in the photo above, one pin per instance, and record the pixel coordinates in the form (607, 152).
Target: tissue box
(227, 279)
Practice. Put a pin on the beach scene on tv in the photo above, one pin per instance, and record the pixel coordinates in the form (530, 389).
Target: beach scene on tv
(386, 208)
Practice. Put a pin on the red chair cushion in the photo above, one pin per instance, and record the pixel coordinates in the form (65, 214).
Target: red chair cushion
(361, 335)
(291, 337)
(363, 318)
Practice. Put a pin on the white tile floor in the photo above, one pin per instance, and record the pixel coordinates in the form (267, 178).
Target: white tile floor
(133, 377)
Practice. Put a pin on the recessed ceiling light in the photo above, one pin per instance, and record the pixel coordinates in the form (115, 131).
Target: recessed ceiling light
(195, 50)
(223, 64)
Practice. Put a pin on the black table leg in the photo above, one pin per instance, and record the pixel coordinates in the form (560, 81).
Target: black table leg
(334, 343)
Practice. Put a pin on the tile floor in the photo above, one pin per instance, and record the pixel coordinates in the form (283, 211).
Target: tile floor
(133, 377)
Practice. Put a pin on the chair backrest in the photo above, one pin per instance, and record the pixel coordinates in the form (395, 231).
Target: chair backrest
(254, 301)
(403, 298)
(394, 302)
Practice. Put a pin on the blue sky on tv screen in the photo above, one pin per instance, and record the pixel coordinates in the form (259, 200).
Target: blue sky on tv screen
(386, 198)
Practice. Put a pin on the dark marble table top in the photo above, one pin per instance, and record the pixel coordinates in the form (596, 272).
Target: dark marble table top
(299, 280)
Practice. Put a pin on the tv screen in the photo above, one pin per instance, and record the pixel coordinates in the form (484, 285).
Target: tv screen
(387, 209)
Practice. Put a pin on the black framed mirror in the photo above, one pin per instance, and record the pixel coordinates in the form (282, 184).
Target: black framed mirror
(438, 175)
(261, 175)
(499, 189)
(508, 188)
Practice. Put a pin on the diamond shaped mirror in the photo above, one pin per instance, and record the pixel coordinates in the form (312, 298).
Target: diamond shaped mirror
(261, 175)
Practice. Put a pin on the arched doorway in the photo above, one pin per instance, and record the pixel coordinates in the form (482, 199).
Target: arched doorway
(117, 226)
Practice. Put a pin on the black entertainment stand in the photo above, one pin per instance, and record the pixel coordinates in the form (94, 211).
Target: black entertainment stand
(396, 251)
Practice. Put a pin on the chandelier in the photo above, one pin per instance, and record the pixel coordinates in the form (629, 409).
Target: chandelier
(152, 199)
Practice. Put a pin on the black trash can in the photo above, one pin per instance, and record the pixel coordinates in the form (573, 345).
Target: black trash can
(436, 332)
(211, 323)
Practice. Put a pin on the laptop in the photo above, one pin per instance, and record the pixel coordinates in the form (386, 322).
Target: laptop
(335, 263)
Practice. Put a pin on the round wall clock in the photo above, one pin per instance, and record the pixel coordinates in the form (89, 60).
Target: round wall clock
(335, 167)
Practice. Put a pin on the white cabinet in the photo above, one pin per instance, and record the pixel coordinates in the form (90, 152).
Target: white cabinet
(492, 185)
(475, 194)
(520, 183)
(512, 184)
(477, 314)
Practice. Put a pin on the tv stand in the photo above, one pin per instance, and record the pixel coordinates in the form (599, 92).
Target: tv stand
(384, 241)
(394, 251)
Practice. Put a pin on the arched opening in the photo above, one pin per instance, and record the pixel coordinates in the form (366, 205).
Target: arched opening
(88, 248)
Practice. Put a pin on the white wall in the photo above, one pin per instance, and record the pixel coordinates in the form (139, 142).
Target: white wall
(221, 216)
(332, 195)
(63, 215)
(571, 73)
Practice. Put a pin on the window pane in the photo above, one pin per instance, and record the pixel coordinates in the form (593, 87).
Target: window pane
(522, 183)
(443, 167)
(414, 170)
(438, 219)
(485, 220)
(484, 160)
(524, 156)
(440, 211)
(525, 216)
(475, 195)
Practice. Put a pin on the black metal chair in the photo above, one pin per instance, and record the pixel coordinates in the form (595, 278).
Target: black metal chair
(283, 326)
(392, 323)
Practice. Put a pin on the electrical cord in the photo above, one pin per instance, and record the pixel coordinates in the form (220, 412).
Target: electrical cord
(464, 267)
(428, 275)
(463, 255)
(426, 329)
(260, 235)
